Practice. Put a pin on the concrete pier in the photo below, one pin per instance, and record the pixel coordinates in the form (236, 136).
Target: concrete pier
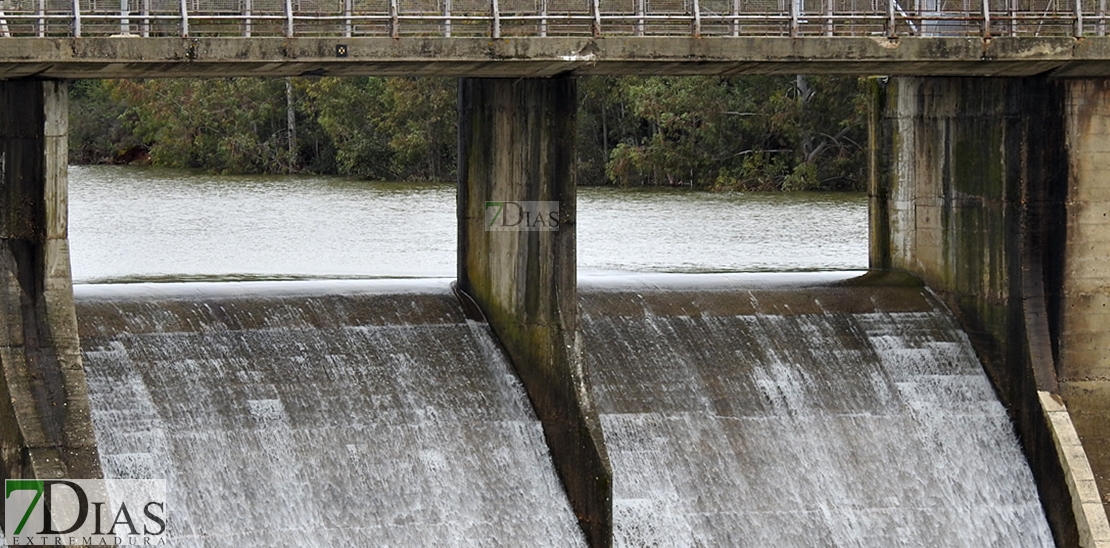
(988, 189)
(45, 425)
(516, 144)
(1084, 347)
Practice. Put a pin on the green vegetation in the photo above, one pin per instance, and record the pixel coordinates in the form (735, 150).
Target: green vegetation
(730, 133)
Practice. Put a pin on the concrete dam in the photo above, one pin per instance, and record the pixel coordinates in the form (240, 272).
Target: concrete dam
(957, 395)
(737, 410)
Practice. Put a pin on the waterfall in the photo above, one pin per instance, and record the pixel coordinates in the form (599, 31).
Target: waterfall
(797, 411)
(786, 410)
(318, 414)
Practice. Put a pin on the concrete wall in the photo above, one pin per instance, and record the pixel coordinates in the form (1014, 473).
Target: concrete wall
(516, 143)
(1084, 349)
(1090, 517)
(967, 192)
(45, 425)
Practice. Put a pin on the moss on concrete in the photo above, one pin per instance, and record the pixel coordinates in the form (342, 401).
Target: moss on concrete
(974, 160)
(46, 428)
(516, 143)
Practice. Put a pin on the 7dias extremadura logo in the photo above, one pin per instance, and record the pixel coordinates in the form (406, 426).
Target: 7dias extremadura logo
(66, 512)
(522, 216)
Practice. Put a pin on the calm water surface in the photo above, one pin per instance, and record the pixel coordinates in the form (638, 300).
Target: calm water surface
(129, 223)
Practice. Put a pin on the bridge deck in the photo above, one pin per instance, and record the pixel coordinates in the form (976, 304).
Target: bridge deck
(106, 57)
(521, 38)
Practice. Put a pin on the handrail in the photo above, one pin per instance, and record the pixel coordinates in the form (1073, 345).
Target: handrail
(402, 18)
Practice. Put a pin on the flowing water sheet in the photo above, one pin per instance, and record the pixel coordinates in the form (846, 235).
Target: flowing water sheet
(318, 414)
(791, 411)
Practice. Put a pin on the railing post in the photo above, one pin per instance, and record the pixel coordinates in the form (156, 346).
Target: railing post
(446, 18)
(829, 17)
(735, 17)
(595, 27)
(124, 22)
(347, 24)
(144, 23)
(697, 19)
(248, 7)
(641, 10)
(42, 19)
(288, 18)
(495, 11)
(794, 28)
(543, 17)
(986, 19)
(1102, 17)
(891, 24)
(1013, 9)
(394, 20)
(1078, 18)
(77, 18)
(184, 19)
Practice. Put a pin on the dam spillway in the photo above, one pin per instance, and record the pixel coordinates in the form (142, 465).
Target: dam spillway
(771, 410)
(318, 414)
(799, 410)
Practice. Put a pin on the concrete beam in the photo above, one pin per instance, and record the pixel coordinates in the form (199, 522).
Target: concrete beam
(104, 57)
(516, 143)
(45, 423)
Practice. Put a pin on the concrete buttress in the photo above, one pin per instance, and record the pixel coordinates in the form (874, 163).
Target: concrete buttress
(46, 430)
(516, 144)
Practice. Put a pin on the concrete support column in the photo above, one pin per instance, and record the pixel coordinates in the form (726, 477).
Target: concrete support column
(967, 193)
(516, 144)
(1084, 365)
(45, 423)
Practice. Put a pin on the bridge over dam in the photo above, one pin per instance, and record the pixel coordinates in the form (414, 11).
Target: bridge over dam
(956, 394)
(546, 38)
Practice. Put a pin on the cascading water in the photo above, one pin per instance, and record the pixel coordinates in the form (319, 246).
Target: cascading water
(318, 414)
(784, 410)
(799, 411)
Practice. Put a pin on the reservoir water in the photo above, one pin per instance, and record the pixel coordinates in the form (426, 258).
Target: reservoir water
(130, 223)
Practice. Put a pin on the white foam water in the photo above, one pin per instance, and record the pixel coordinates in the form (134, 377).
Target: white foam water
(357, 419)
(781, 418)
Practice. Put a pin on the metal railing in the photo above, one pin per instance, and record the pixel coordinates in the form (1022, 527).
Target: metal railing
(514, 18)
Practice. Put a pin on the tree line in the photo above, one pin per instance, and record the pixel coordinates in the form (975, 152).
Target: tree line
(729, 133)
